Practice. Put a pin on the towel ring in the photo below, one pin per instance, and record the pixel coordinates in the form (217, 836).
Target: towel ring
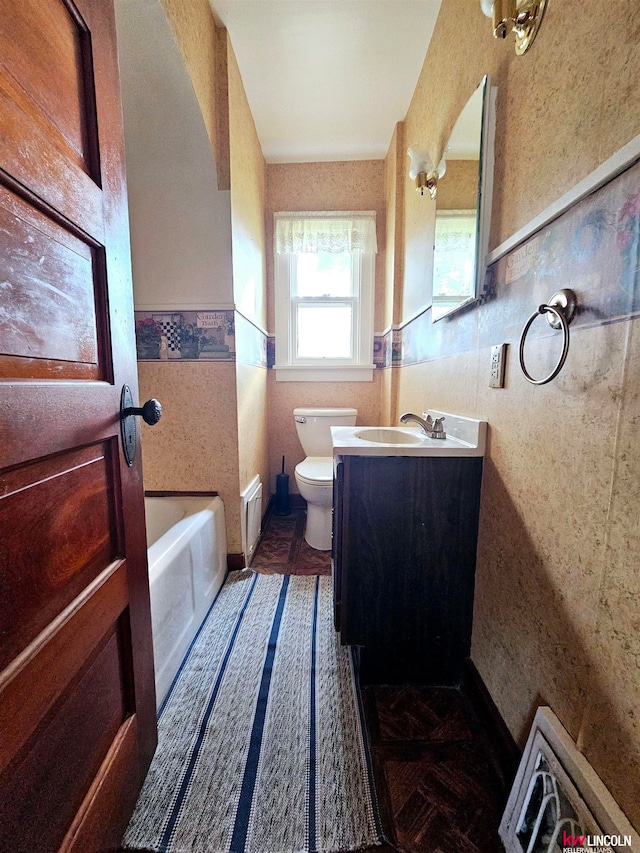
(560, 311)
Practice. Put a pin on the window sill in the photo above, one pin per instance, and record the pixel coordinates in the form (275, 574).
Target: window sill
(328, 373)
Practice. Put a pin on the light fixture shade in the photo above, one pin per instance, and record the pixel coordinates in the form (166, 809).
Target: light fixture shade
(487, 8)
(422, 172)
(421, 162)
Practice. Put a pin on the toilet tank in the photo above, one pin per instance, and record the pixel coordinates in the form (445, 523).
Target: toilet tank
(314, 428)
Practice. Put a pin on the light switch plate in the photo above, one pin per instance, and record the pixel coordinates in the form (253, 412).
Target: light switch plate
(498, 361)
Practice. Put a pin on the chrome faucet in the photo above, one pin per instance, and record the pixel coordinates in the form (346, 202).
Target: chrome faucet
(438, 429)
(426, 423)
(431, 428)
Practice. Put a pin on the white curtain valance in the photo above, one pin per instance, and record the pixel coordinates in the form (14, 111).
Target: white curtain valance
(455, 230)
(333, 231)
(454, 254)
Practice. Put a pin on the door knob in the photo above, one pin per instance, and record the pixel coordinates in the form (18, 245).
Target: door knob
(151, 413)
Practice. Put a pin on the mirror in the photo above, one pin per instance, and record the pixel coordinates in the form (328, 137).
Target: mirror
(463, 207)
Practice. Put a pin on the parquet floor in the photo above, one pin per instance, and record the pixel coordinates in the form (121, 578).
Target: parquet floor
(439, 786)
(283, 550)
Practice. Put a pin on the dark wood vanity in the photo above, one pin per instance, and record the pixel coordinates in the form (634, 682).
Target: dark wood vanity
(404, 551)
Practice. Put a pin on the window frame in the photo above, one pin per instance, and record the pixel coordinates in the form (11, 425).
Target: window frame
(288, 366)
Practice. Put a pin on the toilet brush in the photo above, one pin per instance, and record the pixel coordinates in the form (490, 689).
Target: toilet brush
(282, 493)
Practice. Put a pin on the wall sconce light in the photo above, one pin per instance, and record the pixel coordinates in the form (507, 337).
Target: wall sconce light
(521, 16)
(422, 171)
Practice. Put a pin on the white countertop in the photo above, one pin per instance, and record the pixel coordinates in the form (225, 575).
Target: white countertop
(465, 437)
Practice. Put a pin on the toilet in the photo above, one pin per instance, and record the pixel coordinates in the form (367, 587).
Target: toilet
(314, 475)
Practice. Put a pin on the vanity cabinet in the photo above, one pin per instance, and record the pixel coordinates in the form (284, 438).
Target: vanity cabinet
(404, 551)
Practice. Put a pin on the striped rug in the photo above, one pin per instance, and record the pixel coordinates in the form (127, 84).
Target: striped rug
(261, 744)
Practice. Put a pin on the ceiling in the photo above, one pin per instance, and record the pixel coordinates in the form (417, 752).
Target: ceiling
(328, 79)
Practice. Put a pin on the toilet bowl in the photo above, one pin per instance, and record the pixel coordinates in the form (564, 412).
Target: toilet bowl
(314, 475)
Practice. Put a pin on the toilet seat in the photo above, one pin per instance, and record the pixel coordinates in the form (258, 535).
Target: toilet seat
(316, 470)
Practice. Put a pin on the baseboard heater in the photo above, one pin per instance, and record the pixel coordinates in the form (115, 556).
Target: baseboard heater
(251, 517)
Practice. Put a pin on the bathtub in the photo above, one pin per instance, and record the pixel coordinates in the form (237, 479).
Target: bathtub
(187, 565)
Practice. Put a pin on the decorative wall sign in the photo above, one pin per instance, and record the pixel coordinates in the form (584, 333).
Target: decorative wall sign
(185, 335)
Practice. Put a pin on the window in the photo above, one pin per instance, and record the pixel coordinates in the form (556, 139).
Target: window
(324, 282)
(454, 260)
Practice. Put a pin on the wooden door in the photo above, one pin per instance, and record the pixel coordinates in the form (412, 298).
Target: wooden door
(77, 705)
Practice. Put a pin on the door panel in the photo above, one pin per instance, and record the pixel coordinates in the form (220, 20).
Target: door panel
(78, 410)
(53, 558)
(48, 95)
(77, 703)
(37, 680)
(52, 282)
(112, 785)
(36, 151)
(47, 50)
(63, 761)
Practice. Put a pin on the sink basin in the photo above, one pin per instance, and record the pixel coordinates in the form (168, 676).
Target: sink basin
(388, 435)
(465, 437)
